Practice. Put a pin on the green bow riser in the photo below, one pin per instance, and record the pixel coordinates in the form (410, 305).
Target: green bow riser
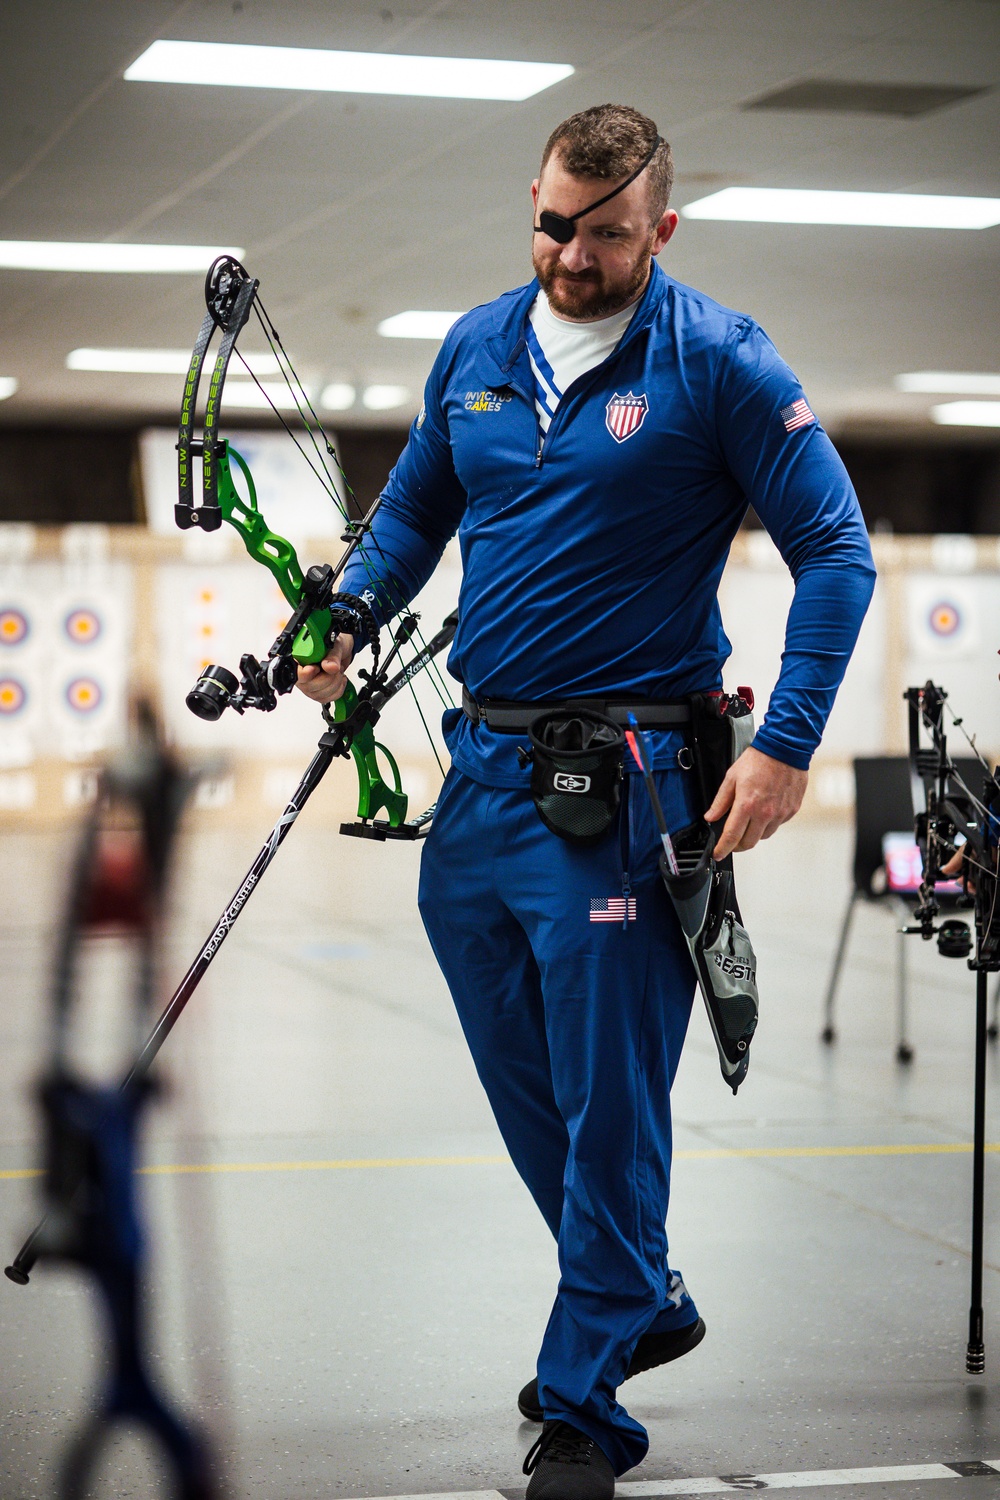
(309, 646)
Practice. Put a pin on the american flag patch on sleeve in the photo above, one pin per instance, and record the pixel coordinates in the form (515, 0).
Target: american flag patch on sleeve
(614, 909)
(797, 415)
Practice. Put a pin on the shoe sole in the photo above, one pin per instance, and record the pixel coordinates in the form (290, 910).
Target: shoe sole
(696, 1334)
(638, 1365)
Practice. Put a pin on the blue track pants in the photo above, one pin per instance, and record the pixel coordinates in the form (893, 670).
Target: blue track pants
(574, 989)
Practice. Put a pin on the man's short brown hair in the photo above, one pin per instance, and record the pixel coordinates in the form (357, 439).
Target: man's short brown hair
(609, 141)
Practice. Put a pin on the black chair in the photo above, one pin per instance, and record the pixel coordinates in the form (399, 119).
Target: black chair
(883, 805)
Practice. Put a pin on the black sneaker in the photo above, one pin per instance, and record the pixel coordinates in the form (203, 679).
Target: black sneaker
(565, 1464)
(653, 1349)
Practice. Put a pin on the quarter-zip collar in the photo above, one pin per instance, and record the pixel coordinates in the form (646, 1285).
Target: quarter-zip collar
(507, 345)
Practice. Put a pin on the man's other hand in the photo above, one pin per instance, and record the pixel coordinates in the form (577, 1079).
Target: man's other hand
(759, 793)
(954, 868)
(326, 682)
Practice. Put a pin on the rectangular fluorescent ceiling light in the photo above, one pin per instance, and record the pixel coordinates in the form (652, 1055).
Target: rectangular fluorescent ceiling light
(949, 382)
(815, 206)
(418, 325)
(384, 397)
(967, 414)
(338, 396)
(237, 65)
(74, 255)
(155, 361)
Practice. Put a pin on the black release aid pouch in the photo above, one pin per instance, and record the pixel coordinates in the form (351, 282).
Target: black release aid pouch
(576, 772)
(703, 892)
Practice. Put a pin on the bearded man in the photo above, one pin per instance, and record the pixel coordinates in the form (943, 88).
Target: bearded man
(595, 439)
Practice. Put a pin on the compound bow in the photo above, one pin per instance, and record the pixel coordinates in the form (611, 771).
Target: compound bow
(948, 815)
(319, 613)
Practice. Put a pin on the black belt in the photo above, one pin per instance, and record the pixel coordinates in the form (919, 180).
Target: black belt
(514, 718)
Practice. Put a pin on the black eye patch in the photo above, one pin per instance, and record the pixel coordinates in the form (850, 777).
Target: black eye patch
(562, 229)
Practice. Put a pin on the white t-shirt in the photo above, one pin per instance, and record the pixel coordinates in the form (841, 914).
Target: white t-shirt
(560, 351)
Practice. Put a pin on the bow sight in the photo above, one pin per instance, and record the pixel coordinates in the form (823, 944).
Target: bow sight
(950, 815)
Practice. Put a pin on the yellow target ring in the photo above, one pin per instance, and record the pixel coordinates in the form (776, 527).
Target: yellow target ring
(945, 619)
(14, 627)
(82, 626)
(12, 695)
(84, 695)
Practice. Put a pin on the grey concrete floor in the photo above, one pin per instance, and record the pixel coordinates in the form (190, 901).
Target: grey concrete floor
(361, 1326)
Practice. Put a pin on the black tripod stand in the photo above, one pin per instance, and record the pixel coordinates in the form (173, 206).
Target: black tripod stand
(957, 828)
(975, 1354)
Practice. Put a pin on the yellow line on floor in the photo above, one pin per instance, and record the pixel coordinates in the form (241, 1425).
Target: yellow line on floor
(330, 1166)
(175, 1169)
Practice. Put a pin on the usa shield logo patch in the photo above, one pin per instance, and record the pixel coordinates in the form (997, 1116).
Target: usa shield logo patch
(624, 415)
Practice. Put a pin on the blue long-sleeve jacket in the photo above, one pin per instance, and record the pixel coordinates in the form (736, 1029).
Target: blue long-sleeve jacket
(592, 560)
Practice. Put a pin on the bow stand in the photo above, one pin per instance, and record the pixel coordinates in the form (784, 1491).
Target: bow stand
(950, 815)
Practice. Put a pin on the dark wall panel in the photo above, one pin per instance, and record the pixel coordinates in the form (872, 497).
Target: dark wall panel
(368, 458)
(930, 487)
(55, 475)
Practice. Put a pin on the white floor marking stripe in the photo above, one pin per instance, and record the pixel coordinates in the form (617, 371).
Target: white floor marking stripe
(675, 1487)
(892, 1473)
(805, 1480)
(808, 1479)
(452, 1494)
(735, 1484)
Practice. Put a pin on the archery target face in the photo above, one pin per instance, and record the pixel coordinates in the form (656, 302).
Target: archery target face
(14, 627)
(25, 675)
(83, 626)
(13, 697)
(207, 618)
(84, 695)
(91, 620)
(945, 619)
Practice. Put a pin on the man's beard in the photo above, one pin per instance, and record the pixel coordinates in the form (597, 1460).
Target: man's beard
(588, 294)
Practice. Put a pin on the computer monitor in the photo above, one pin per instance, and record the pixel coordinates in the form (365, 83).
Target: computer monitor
(903, 869)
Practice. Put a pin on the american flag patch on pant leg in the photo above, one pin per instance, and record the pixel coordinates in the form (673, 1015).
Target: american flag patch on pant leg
(796, 415)
(614, 909)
